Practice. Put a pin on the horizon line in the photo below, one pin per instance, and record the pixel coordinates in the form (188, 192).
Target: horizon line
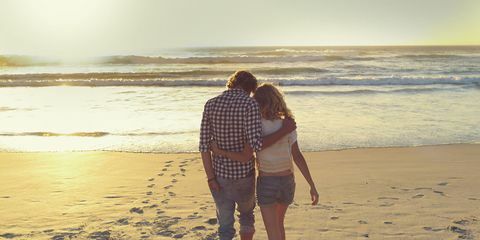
(253, 46)
(327, 45)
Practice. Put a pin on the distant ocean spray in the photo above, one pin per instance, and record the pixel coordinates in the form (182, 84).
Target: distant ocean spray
(343, 97)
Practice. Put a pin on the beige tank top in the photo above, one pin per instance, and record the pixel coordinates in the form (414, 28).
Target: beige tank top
(277, 157)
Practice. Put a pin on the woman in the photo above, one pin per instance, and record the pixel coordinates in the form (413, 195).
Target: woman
(275, 183)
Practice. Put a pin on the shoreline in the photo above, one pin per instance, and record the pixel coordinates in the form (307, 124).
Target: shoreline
(196, 152)
(428, 192)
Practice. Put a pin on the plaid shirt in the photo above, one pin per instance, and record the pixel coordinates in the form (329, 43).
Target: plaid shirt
(231, 119)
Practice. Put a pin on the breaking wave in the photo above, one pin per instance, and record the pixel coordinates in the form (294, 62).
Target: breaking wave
(89, 134)
(156, 75)
(367, 91)
(154, 81)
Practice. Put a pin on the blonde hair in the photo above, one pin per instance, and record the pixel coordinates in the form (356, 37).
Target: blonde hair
(272, 102)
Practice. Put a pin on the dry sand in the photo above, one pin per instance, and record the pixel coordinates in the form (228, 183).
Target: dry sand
(382, 193)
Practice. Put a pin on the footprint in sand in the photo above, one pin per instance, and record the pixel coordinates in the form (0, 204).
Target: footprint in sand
(464, 233)
(462, 222)
(67, 235)
(146, 201)
(211, 221)
(178, 235)
(334, 218)
(168, 187)
(386, 204)
(195, 215)
(136, 210)
(167, 165)
(418, 196)
(443, 184)
(151, 179)
(142, 223)
(174, 180)
(164, 169)
(388, 222)
(439, 192)
(160, 174)
(113, 197)
(122, 221)
(10, 235)
(423, 188)
(431, 229)
(151, 185)
(388, 198)
(198, 228)
(362, 222)
(172, 194)
(149, 193)
(100, 235)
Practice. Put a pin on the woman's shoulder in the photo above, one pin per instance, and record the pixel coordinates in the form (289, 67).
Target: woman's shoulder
(272, 122)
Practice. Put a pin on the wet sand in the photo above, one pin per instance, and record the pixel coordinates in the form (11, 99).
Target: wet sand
(379, 193)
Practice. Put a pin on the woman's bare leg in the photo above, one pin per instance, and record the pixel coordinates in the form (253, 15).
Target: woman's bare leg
(270, 219)
(281, 210)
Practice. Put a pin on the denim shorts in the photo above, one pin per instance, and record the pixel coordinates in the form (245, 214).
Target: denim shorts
(275, 189)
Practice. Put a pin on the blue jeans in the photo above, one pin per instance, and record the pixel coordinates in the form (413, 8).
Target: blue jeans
(242, 193)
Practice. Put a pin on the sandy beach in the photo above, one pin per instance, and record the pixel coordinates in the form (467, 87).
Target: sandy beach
(430, 192)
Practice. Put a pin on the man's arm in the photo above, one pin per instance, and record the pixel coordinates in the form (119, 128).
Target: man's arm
(253, 126)
(243, 156)
(205, 142)
(246, 155)
(288, 126)
(207, 165)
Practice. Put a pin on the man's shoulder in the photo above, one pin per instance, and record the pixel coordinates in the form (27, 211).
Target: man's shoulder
(244, 99)
(238, 100)
(250, 101)
(212, 100)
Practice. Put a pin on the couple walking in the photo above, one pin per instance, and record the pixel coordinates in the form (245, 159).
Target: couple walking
(236, 127)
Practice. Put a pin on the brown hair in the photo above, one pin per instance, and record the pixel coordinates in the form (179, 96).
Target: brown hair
(271, 101)
(244, 80)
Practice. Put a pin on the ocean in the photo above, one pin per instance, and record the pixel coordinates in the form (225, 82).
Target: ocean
(342, 97)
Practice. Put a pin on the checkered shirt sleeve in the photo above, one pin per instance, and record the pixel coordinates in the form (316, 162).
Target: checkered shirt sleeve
(253, 127)
(205, 131)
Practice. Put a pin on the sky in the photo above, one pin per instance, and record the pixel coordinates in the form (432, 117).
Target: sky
(105, 27)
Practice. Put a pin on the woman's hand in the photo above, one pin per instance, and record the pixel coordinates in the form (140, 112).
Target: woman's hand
(314, 195)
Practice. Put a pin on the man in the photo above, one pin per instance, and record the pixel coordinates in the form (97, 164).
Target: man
(232, 120)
